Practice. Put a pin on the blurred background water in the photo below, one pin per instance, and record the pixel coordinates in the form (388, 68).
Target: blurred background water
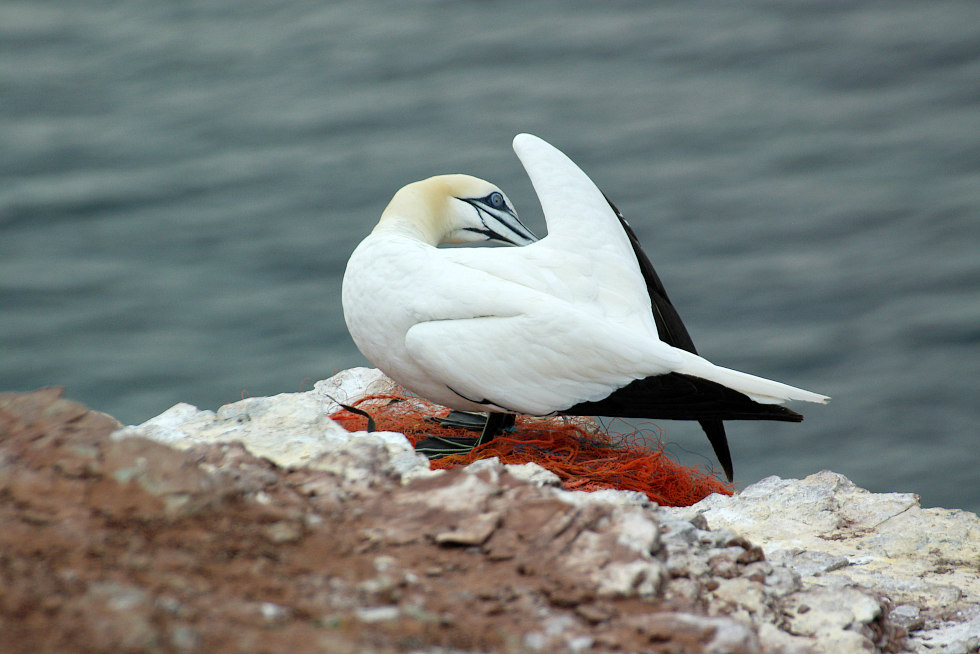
(181, 184)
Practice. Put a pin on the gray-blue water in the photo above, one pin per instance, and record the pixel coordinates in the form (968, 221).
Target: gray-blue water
(181, 184)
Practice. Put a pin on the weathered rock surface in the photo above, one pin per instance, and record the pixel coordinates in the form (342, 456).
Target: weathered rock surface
(218, 536)
(837, 537)
(291, 429)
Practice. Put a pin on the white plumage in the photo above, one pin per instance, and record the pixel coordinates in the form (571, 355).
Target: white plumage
(537, 329)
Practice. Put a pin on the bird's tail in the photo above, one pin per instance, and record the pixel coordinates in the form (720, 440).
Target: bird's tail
(763, 391)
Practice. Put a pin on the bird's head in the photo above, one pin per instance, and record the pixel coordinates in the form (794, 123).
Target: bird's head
(458, 209)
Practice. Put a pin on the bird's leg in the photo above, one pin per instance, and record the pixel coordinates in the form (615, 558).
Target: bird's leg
(436, 447)
(496, 423)
(462, 420)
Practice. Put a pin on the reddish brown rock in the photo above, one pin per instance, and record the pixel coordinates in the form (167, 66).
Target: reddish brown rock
(130, 546)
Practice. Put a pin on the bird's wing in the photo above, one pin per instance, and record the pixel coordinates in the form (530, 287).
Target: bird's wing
(574, 210)
(537, 361)
(581, 221)
(559, 359)
(669, 324)
(513, 347)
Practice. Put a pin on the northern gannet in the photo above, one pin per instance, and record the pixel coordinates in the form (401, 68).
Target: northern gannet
(577, 323)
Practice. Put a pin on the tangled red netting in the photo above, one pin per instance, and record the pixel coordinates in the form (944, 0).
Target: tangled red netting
(580, 451)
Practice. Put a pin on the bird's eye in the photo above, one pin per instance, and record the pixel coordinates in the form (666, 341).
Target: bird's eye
(496, 200)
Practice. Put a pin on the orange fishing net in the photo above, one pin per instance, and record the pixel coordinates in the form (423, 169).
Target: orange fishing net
(578, 450)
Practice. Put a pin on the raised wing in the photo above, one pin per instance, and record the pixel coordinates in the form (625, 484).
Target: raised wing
(582, 222)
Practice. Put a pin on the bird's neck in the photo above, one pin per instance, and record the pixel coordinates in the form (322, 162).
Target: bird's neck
(415, 214)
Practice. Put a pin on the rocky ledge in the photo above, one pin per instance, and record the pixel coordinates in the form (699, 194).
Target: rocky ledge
(266, 527)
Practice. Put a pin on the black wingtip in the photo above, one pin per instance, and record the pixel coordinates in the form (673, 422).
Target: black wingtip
(715, 431)
(787, 415)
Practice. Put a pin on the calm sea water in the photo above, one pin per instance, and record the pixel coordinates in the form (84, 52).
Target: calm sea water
(181, 184)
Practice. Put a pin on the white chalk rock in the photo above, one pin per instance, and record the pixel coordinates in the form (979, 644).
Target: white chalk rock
(349, 385)
(529, 472)
(838, 537)
(290, 429)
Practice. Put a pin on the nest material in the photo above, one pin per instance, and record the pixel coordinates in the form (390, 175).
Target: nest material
(579, 450)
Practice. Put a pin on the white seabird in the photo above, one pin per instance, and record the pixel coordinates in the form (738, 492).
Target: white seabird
(576, 323)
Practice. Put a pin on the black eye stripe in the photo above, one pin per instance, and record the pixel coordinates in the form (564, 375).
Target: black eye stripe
(490, 234)
(503, 215)
(481, 212)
